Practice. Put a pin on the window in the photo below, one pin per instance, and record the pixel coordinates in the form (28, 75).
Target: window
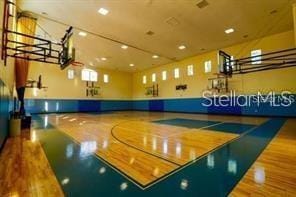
(153, 77)
(89, 75)
(93, 76)
(208, 66)
(144, 79)
(256, 56)
(232, 63)
(85, 75)
(70, 74)
(177, 73)
(190, 70)
(164, 75)
(106, 78)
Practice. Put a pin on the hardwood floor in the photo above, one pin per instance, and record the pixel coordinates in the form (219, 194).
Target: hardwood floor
(274, 172)
(142, 150)
(25, 171)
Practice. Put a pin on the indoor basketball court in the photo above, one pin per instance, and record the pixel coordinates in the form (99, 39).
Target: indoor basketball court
(148, 98)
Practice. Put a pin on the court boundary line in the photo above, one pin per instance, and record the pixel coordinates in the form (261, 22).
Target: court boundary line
(181, 167)
(155, 154)
(200, 157)
(162, 178)
(141, 186)
(131, 179)
(134, 147)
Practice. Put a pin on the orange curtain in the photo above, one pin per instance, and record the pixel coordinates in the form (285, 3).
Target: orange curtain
(26, 24)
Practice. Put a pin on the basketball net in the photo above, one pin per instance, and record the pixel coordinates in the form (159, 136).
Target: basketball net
(77, 66)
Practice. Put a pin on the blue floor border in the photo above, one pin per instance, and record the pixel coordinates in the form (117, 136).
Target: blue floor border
(180, 105)
(215, 174)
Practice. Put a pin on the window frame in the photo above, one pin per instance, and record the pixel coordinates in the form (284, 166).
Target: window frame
(190, 70)
(177, 73)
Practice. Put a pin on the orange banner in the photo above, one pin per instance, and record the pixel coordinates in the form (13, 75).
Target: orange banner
(26, 24)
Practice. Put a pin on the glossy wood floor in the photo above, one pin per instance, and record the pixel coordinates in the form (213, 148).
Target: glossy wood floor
(25, 171)
(142, 150)
(145, 151)
(274, 172)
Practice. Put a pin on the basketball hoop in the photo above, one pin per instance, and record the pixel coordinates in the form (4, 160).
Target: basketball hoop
(77, 64)
(218, 84)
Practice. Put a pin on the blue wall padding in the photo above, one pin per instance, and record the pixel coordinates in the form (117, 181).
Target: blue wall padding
(89, 106)
(224, 107)
(4, 112)
(266, 109)
(140, 105)
(54, 105)
(156, 105)
(115, 105)
(187, 105)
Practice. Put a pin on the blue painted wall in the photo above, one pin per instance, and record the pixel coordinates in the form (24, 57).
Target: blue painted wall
(62, 105)
(141, 105)
(115, 105)
(89, 106)
(156, 105)
(53, 105)
(225, 107)
(4, 112)
(188, 105)
(194, 105)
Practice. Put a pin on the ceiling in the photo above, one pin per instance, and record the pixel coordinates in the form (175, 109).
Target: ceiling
(174, 23)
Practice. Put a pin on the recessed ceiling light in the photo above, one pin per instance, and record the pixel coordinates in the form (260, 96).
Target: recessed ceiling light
(172, 21)
(103, 59)
(103, 11)
(273, 12)
(228, 31)
(91, 63)
(150, 33)
(82, 33)
(182, 47)
(124, 46)
(202, 4)
(131, 65)
(155, 56)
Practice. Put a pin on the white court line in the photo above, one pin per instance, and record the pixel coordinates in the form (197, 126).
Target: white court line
(189, 129)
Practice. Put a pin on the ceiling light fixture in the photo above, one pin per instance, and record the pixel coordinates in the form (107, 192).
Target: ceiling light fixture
(182, 47)
(124, 46)
(103, 11)
(155, 56)
(103, 59)
(131, 65)
(82, 33)
(202, 4)
(229, 31)
(150, 33)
